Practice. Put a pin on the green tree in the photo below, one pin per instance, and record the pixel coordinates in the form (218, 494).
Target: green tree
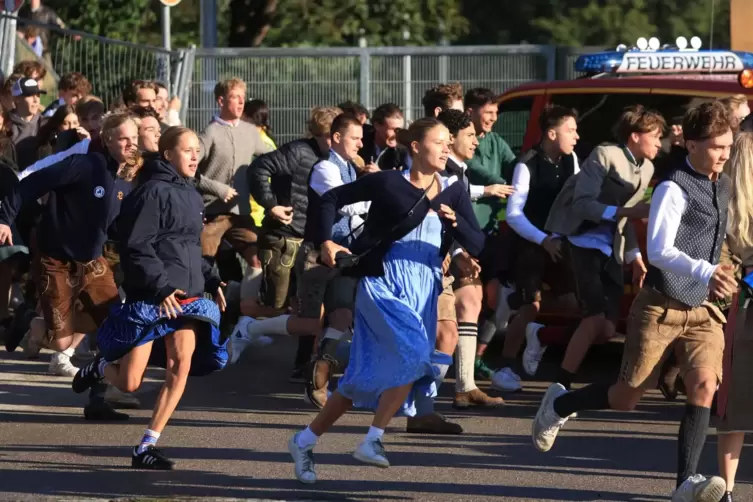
(344, 22)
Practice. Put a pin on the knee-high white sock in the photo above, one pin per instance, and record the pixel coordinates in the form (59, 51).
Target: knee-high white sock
(251, 283)
(272, 326)
(333, 334)
(466, 356)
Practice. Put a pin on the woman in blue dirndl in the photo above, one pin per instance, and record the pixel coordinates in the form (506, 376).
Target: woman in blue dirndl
(165, 319)
(411, 223)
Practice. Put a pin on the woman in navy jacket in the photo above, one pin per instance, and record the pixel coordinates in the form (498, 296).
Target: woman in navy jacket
(165, 319)
(410, 225)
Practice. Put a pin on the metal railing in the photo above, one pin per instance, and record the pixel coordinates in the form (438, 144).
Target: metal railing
(108, 64)
(292, 81)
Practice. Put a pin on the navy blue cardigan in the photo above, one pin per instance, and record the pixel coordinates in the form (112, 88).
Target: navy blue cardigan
(392, 196)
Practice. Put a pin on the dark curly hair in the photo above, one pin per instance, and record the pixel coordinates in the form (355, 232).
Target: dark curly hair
(454, 120)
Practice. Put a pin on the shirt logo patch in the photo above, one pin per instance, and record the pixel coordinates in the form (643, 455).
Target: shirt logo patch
(120, 195)
(99, 192)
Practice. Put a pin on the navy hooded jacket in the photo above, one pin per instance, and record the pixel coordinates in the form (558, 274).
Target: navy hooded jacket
(84, 201)
(160, 237)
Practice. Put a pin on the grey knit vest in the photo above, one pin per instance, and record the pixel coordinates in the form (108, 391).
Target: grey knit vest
(700, 235)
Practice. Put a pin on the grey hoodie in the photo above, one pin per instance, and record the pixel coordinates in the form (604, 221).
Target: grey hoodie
(24, 136)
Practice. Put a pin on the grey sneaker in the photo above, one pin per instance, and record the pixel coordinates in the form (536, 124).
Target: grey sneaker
(305, 468)
(372, 453)
(699, 489)
(547, 423)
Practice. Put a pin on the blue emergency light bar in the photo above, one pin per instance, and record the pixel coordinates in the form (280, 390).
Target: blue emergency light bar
(664, 61)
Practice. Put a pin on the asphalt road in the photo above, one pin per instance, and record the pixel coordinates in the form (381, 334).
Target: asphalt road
(230, 432)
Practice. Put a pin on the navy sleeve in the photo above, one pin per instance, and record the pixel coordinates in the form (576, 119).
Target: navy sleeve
(211, 280)
(31, 188)
(139, 225)
(363, 189)
(467, 232)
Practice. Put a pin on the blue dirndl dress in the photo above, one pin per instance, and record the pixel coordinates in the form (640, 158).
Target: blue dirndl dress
(132, 324)
(395, 325)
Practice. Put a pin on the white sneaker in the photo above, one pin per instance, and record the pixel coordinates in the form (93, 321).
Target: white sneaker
(534, 350)
(119, 399)
(60, 365)
(239, 341)
(305, 468)
(547, 423)
(699, 489)
(372, 453)
(506, 380)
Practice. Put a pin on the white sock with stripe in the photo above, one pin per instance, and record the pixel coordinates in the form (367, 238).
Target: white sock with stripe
(150, 439)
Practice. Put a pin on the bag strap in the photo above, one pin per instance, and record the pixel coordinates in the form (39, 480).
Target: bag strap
(393, 231)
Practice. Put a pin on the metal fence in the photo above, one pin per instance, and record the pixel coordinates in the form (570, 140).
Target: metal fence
(292, 81)
(109, 64)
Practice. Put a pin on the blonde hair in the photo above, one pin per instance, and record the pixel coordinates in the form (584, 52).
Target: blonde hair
(739, 167)
(735, 101)
(222, 89)
(320, 122)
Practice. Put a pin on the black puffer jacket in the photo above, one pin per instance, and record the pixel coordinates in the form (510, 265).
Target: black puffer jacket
(280, 178)
(160, 237)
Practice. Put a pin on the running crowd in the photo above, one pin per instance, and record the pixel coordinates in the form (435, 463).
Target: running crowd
(130, 240)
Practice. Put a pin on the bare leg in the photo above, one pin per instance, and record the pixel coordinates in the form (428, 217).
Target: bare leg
(180, 347)
(729, 449)
(337, 405)
(589, 329)
(516, 331)
(128, 374)
(389, 402)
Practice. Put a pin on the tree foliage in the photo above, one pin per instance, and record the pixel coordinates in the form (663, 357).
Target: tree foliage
(286, 23)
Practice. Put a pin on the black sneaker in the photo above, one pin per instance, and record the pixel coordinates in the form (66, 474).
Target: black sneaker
(87, 377)
(18, 327)
(103, 412)
(151, 458)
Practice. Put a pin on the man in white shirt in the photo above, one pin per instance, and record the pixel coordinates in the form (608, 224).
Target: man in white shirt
(537, 258)
(673, 311)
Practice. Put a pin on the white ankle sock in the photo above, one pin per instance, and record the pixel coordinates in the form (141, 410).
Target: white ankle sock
(272, 326)
(374, 434)
(150, 438)
(68, 352)
(251, 283)
(101, 368)
(306, 439)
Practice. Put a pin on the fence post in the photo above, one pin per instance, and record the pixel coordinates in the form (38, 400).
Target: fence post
(364, 91)
(185, 74)
(407, 88)
(551, 62)
(443, 62)
(7, 42)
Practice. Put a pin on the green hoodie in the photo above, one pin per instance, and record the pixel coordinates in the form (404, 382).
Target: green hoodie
(491, 159)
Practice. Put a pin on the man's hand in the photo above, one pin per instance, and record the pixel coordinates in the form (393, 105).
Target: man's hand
(722, 283)
(231, 194)
(553, 246)
(371, 168)
(82, 133)
(328, 253)
(6, 235)
(500, 191)
(637, 212)
(174, 104)
(219, 298)
(283, 214)
(467, 266)
(446, 263)
(639, 272)
(448, 214)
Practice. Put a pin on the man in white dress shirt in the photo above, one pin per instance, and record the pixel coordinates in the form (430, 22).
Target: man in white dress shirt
(673, 311)
(537, 258)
